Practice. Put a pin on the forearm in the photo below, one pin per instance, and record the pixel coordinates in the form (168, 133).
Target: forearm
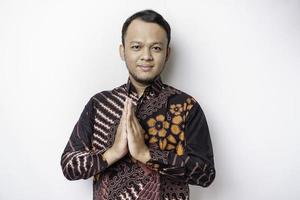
(188, 168)
(82, 164)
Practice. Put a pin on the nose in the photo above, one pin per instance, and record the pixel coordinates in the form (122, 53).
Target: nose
(147, 55)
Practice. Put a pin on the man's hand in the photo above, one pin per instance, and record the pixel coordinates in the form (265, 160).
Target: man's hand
(129, 137)
(120, 147)
(135, 136)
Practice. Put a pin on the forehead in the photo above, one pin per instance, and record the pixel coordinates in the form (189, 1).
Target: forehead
(141, 31)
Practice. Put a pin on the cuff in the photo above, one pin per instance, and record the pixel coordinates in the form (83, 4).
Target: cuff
(158, 157)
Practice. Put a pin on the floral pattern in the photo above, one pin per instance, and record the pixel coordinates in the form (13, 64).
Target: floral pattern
(169, 133)
(158, 130)
(176, 109)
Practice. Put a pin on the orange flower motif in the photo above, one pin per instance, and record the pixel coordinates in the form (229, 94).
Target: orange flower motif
(172, 141)
(189, 103)
(177, 124)
(176, 109)
(158, 126)
(177, 128)
(187, 106)
(179, 149)
(162, 143)
(158, 131)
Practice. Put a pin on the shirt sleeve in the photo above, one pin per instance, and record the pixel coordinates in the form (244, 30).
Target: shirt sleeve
(79, 160)
(196, 165)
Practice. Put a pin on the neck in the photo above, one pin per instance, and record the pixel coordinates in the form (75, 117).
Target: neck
(140, 88)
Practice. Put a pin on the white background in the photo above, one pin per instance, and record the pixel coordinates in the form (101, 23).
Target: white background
(239, 59)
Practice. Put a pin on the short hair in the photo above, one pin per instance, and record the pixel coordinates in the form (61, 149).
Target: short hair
(147, 16)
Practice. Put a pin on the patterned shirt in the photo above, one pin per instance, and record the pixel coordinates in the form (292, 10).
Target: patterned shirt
(176, 133)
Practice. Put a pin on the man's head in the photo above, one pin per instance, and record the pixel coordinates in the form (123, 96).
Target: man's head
(145, 45)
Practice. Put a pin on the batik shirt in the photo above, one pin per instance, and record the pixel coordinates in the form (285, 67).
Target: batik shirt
(176, 133)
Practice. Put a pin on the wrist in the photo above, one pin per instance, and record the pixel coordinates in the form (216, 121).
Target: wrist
(144, 156)
(111, 156)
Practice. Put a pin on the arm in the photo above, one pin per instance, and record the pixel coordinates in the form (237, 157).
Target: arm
(196, 165)
(79, 160)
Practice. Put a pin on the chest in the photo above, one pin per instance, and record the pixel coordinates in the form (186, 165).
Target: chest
(163, 121)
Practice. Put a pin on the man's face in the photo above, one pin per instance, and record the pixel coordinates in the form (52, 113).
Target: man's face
(145, 52)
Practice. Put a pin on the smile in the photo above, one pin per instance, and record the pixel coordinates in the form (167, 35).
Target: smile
(145, 68)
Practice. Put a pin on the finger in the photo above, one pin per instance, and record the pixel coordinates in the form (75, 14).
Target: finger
(129, 110)
(124, 109)
(130, 114)
(123, 120)
(129, 128)
(134, 108)
(134, 118)
(138, 130)
(133, 126)
(136, 121)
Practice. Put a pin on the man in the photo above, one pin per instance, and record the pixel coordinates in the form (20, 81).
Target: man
(143, 139)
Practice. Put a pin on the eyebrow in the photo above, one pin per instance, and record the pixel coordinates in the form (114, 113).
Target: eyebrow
(160, 43)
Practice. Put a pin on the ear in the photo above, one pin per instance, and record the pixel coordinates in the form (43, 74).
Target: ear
(122, 52)
(168, 54)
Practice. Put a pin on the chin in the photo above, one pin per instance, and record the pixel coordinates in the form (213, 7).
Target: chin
(144, 80)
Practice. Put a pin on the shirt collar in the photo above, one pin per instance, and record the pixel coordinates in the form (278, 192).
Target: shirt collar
(154, 88)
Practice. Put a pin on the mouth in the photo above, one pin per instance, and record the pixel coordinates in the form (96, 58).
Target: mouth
(145, 68)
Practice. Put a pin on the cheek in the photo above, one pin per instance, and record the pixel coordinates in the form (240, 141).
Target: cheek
(160, 59)
(131, 57)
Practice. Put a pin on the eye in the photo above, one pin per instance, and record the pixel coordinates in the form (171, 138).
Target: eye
(135, 47)
(156, 48)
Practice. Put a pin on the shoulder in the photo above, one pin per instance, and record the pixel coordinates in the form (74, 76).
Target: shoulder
(115, 96)
(186, 104)
(181, 98)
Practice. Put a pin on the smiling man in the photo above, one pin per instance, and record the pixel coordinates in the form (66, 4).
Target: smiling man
(144, 139)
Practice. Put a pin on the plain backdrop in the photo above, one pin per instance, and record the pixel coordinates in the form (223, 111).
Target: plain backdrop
(239, 59)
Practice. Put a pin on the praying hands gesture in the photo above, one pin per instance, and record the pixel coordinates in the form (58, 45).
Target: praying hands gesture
(129, 138)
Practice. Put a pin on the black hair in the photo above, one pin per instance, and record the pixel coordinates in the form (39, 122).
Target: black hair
(147, 16)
